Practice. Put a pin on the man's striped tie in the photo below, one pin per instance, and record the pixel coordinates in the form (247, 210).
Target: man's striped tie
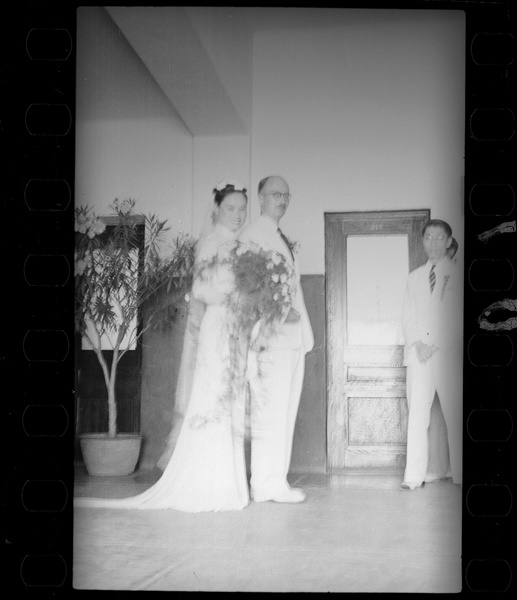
(432, 278)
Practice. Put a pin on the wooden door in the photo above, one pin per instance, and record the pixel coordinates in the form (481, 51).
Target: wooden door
(368, 257)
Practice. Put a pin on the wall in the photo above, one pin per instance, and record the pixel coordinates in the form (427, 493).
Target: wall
(359, 110)
(129, 140)
(310, 435)
(229, 43)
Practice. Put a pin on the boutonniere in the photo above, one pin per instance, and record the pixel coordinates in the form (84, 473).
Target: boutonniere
(445, 281)
(295, 246)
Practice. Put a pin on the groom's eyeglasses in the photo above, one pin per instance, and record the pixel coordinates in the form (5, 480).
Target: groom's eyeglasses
(436, 238)
(278, 195)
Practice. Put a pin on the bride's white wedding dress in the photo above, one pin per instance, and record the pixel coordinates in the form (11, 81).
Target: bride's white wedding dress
(207, 470)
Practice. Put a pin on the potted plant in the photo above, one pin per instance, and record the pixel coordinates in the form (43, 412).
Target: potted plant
(114, 279)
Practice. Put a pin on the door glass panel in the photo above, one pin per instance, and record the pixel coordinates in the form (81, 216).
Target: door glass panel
(377, 269)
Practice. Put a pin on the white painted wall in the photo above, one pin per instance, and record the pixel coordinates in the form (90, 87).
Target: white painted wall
(228, 40)
(362, 111)
(357, 109)
(129, 140)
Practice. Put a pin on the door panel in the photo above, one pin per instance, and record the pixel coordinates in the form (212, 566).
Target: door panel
(376, 420)
(368, 258)
(377, 268)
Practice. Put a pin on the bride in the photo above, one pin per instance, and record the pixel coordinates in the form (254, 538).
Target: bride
(207, 470)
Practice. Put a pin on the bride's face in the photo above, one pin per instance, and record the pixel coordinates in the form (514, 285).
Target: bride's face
(232, 211)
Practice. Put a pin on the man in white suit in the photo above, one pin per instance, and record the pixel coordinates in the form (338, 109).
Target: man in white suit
(275, 392)
(433, 326)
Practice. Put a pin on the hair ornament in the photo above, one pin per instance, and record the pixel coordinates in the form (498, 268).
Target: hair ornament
(230, 183)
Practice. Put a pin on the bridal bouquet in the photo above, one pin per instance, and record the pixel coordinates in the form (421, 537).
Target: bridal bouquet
(262, 287)
(259, 286)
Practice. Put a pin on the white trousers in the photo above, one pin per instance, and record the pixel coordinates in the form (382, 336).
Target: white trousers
(274, 400)
(439, 464)
(442, 375)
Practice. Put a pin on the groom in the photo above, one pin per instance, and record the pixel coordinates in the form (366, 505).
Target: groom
(275, 392)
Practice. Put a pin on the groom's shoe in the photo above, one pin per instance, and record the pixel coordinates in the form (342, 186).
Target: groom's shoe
(407, 486)
(291, 495)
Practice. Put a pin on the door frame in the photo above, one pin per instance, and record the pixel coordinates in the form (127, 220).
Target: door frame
(375, 222)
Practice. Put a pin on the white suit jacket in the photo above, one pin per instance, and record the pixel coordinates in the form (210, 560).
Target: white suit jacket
(263, 232)
(435, 319)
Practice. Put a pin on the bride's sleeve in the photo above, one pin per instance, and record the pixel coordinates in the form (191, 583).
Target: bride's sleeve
(207, 278)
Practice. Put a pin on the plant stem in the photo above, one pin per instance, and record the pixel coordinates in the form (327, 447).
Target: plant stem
(112, 404)
(109, 378)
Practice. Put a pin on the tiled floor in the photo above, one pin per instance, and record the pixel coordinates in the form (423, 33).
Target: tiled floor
(353, 534)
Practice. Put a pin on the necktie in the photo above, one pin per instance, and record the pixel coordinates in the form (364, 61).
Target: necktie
(432, 278)
(286, 242)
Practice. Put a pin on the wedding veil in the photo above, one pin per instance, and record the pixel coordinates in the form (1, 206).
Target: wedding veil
(196, 311)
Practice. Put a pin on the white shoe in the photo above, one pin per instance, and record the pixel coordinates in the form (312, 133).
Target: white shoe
(291, 495)
(410, 487)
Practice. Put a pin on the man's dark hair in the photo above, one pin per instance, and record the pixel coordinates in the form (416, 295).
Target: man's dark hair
(437, 223)
(262, 183)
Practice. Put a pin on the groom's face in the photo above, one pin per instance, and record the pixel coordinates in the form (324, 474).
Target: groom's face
(273, 198)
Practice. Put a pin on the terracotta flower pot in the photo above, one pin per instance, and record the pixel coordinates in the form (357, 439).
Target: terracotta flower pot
(110, 456)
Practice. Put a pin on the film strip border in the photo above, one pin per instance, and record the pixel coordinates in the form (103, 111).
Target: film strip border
(490, 300)
(36, 348)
